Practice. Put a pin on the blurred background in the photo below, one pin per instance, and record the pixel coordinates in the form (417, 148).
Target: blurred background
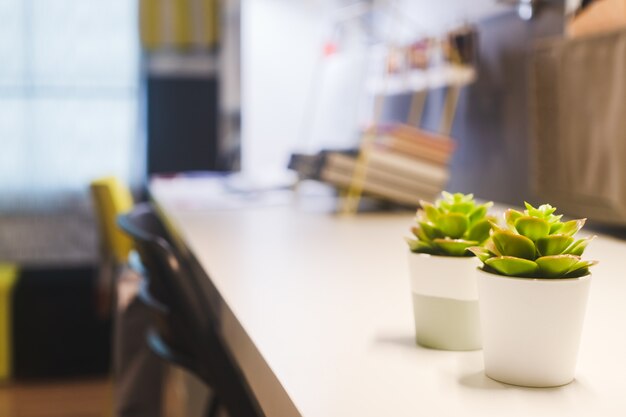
(511, 100)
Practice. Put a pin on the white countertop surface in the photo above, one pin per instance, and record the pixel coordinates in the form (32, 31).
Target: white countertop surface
(319, 316)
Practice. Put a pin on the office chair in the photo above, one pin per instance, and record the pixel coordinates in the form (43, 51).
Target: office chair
(183, 330)
(112, 198)
(9, 275)
(139, 374)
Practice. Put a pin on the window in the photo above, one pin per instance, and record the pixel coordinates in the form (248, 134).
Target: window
(68, 97)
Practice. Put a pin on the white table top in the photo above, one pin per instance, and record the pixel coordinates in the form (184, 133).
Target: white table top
(319, 317)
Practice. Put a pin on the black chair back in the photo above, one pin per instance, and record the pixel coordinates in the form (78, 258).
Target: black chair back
(180, 320)
(185, 330)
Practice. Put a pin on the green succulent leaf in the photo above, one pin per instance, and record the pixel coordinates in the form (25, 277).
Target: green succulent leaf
(420, 234)
(453, 225)
(572, 227)
(491, 247)
(495, 226)
(532, 227)
(544, 211)
(431, 212)
(430, 230)
(553, 244)
(454, 247)
(511, 244)
(512, 266)
(511, 216)
(479, 212)
(446, 202)
(555, 227)
(456, 203)
(578, 247)
(416, 245)
(465, 208)
(481, 253)
(547, 210)
(413, 243)
(479, 231)
(449, 197)
(556, 265)
(457, 197)
(531, 211)
(580, 268)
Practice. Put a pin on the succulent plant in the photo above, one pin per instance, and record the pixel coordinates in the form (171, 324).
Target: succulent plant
(535, 243)
(450, 226)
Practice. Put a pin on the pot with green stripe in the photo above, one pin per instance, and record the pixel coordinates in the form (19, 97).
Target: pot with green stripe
(443, 271)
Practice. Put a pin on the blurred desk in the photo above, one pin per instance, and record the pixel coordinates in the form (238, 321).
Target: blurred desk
(316, 311)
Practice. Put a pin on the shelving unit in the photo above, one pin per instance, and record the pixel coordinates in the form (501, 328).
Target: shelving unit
(415, 82)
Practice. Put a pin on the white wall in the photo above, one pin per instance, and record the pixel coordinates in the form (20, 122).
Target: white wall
(438, 16)
(281, 45)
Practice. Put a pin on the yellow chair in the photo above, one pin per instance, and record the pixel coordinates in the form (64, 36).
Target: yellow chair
(8, 278)
(112, 198)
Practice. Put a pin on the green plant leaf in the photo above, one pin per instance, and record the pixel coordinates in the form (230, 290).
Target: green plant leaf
(430, 230)
(462, 207)
(416, 245)
(544, 211)
(447, 196)
(578, 247)
(491, 247)
(454, 247)
(458, 197)
(432, 214)
(481, 253)
(512, 266)
(495, 226)
(528, 206)
(532, 227)
(553, 244)
(510, 216)
(511, 244)
(479, 231)
(453, 225)
(555, 227)
(420, 234)
(555, 265)
(581, 268)
(479, 212)
(571, 227)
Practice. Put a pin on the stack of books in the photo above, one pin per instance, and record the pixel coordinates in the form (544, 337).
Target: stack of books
(403, 164)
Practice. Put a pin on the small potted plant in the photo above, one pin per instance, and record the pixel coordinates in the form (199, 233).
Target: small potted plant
(443, 276)
(533, 289)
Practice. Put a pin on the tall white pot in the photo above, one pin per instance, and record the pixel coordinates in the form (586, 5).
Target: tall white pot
(445, 301)
(531, 328)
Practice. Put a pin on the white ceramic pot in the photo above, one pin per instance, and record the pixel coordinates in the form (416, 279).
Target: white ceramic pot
(531, 328)
(445, 301)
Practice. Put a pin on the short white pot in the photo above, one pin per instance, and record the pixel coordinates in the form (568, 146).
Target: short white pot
(445, 301)
(531, 328)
